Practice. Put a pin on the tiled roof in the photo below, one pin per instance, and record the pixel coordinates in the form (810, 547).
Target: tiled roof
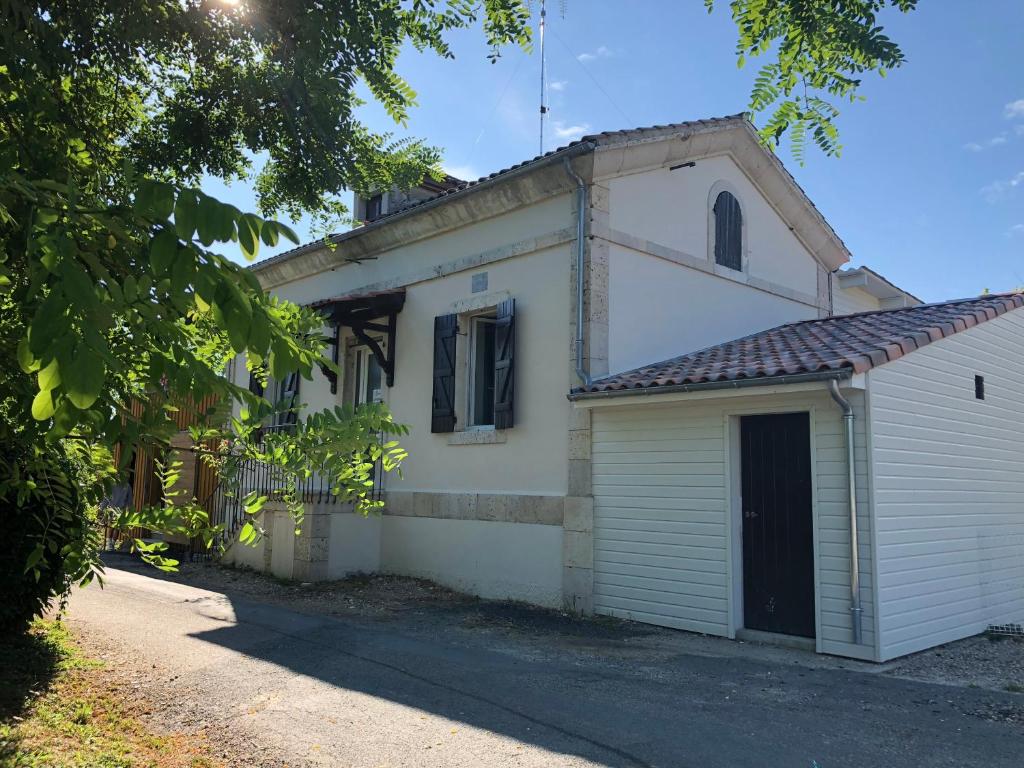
(844, 344)
(464, 186)
(590, 139)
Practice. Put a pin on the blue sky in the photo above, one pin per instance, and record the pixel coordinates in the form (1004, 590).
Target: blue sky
(929, 189)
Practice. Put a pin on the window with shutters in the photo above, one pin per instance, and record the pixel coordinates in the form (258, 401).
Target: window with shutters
(374, 207)
(474, 352)
(727, 232)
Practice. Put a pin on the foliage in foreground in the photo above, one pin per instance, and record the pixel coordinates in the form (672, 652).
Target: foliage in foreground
(60, 708)
(45, 514)
(820, 51)
(114, 290)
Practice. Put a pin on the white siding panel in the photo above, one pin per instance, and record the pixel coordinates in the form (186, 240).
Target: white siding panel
(662, 514)
(949, 487)
(847, 301)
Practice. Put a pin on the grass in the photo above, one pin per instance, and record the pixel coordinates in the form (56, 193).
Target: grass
(60, 708)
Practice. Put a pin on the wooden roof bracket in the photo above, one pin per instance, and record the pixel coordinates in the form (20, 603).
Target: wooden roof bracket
(363, 314)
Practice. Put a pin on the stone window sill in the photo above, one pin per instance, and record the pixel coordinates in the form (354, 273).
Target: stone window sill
(477, 437)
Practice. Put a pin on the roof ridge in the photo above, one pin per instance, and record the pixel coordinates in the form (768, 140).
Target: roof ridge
(916, 307)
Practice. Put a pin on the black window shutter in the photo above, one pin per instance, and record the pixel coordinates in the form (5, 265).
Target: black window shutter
(442, 413)
(254, 385)
(504, 364)
(728, 231)
(289, 398)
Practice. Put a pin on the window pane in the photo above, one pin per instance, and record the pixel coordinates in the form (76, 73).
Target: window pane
(372, 377)
(483, 373)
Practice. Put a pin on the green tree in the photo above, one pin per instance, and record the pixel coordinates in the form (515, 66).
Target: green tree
(111, 113)
(112, 290)
(820, 49)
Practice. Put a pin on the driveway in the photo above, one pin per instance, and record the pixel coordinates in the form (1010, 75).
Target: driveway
(491, 684)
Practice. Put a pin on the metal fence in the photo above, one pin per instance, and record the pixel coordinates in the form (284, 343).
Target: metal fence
(223, 502)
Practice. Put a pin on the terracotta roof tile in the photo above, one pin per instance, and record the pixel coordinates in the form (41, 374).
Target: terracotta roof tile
(853, 343)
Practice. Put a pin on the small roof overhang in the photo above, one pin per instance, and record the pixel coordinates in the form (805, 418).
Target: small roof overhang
(890, 295)
(365, 313)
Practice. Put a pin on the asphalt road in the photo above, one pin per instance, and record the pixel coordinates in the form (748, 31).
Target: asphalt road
(364, 692)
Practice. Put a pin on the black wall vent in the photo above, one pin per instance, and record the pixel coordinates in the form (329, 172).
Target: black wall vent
(979, 387)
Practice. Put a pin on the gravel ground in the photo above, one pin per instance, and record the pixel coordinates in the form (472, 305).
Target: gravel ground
(158, 695)
(986, 661)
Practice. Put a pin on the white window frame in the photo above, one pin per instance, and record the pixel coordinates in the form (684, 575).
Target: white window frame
(361, 369)
(475, 322)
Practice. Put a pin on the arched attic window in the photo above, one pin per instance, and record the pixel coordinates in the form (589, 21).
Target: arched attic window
(728, 231)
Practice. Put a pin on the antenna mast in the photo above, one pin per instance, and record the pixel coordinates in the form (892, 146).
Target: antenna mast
(543, 106)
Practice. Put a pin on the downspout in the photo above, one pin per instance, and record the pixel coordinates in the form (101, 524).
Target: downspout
(581, 208)
(851, 469)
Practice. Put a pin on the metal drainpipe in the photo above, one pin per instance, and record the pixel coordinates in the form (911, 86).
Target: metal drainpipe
(851, 469)
(581, 208)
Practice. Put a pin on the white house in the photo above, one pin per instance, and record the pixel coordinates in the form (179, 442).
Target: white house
(515, 323)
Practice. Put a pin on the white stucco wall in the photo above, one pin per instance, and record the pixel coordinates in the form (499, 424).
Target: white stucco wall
(666, 514)
(491, 559)
(949, 487)
(671, 208)
(246, 556)
(532, 456)
(407, 262)
(353, 544)
(659, 309)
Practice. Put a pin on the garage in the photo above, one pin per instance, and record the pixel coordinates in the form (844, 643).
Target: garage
(721, 482)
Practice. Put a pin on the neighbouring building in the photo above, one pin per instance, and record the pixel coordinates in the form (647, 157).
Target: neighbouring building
(516, 324)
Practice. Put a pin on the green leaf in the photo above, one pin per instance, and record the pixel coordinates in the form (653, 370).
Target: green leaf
(186, 213)
(268, 233)
(42, 405)
(162, 201)
(83, 379)
(248, 236)
(247, 534)
(162, 251)
(34, 557)
(49, 377)
(206, 214)
(183, 270)
(77, 285)
(288, 232)
(65, 419)
(26, 360)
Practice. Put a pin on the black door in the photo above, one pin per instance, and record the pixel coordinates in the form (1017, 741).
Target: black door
(778, 540)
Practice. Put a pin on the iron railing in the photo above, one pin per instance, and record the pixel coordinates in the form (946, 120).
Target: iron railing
(222, 502)
(225, 506)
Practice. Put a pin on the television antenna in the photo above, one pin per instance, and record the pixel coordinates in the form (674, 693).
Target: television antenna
(543, 66)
